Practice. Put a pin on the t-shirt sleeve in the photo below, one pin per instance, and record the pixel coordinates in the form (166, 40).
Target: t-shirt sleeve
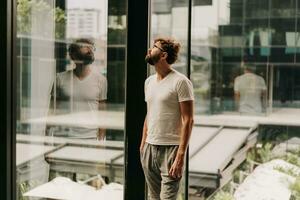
(185, 91)
(103, 89)
(263, 84)
(236, 84)
(146, 87)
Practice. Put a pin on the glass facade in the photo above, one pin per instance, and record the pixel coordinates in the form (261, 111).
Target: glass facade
(70, 98)
(228, 36)
(166, 23)
(241, 56)
(243, 64)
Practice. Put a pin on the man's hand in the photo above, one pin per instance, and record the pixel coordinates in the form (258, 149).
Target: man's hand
(176, 169)
(144, 136)
(101, 134)
(142, 146)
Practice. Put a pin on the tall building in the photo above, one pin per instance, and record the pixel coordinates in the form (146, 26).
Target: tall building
(84, 23)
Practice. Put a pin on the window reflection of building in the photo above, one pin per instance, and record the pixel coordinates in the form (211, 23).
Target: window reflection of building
(41, 55)
(265, 34)
(169, 19)
(83, 23)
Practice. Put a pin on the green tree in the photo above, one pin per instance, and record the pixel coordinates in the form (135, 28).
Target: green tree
(24, 16)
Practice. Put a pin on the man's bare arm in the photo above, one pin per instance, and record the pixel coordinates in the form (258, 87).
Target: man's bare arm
(101, 131)
(187, 114)
(237, 100)
(145, 128)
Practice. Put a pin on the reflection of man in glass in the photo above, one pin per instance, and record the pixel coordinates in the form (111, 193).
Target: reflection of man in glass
(168, 124)
(250, 91)
(82, 88)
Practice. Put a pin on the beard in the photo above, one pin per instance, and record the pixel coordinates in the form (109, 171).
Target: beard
(152, 59)
(87, 58)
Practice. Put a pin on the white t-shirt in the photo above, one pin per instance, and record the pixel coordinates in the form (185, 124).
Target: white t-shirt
(163, 115)
(250, 86)
(75, 95)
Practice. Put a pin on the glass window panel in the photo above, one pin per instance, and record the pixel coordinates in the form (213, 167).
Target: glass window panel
(257, 54)
(200, 75)
(257, 8)
(282, 55)
(231, 30)
(230, 54)
(215, 42)
(283, 32)
(239, 56)
(268, 45)
(283, 10)
(170, 19)
(294, 38)
(236, 13)
(286, 86)
(70, 98)
(257, 32)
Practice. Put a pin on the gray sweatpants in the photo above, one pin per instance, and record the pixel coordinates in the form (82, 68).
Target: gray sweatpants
(156, 162)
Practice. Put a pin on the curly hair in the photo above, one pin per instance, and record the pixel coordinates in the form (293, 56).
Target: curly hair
(170, 46)
(74, 48)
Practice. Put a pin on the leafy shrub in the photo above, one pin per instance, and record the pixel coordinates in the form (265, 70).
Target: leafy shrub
(223, 196)
(295, 188)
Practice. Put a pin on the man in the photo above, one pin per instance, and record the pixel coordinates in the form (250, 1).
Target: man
(82, 88)
(250, 91)
(168, 123)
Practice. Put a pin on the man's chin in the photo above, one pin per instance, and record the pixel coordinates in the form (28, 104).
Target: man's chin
(149, 61)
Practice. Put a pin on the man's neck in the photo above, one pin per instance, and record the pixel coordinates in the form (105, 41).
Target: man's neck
(162, 71)
(248, 72)
(81, 71)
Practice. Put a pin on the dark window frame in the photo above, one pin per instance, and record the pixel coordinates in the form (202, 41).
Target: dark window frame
(7, 116)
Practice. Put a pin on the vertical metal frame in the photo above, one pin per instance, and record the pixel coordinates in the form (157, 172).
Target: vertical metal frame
(7, 146)
(189, 38)
(189, 50)
(135, 110)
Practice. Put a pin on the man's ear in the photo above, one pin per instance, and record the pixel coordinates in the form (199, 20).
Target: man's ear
(165, 55)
